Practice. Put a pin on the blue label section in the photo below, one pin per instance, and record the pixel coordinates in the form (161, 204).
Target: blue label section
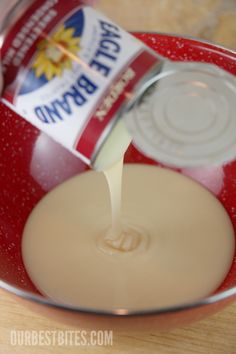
(77, 22)
(50, 60)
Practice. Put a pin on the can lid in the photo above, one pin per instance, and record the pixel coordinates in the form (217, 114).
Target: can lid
(5, 8)
(185, 116)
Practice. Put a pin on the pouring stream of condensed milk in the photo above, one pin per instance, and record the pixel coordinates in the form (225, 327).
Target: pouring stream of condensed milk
(114, 181)
(120, 237)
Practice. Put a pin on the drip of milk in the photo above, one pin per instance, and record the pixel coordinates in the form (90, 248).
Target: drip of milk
(114, 180)
(176, 243)
(121, 236)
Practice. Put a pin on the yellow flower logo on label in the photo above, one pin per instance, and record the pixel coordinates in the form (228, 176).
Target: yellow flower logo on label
(56, 53)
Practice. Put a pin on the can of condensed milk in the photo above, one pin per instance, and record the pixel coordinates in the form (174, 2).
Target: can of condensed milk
(91, 86)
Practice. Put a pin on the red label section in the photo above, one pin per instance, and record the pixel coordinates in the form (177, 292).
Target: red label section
(129, 78)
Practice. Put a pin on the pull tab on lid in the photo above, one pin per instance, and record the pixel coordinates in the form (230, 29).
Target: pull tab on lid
(185, 116)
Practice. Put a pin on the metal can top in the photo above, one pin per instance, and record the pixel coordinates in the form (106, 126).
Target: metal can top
(185, 116)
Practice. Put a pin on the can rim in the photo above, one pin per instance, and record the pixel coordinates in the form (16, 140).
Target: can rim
(151, 143)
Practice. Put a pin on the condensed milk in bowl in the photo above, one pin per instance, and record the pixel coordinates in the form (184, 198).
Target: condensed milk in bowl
(117, 175)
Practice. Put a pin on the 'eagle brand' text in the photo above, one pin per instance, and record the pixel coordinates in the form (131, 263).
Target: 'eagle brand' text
(85, 86)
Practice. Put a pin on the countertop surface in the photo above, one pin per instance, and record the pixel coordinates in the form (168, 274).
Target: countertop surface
(210, 19)
(214, 20)
(215, 335)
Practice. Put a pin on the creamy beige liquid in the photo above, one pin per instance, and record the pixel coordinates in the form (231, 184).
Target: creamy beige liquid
(177, 244)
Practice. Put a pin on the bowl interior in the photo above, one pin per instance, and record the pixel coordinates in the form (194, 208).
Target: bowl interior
(31, 164)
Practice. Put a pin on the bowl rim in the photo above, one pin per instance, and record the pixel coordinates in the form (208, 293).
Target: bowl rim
(27, 295)
(212, 299)
(188, 37)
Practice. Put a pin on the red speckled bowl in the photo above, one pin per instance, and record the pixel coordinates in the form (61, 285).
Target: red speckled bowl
(31, 164)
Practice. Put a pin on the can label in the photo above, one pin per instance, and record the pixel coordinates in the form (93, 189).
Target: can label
(68, 70)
